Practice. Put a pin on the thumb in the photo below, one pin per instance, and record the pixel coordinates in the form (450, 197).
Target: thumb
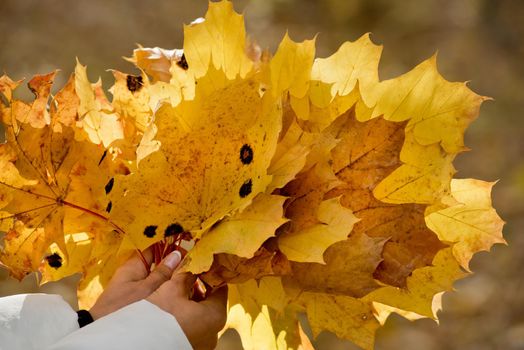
(163, 271)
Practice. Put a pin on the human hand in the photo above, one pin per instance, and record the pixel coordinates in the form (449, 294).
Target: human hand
(132, 282)
(200, 321)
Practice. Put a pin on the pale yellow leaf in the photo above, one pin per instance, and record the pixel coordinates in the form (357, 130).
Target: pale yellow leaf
(309, 244)
(472, 224)
(240, 234)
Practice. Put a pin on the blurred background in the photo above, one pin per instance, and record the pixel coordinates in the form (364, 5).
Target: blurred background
(477, 40)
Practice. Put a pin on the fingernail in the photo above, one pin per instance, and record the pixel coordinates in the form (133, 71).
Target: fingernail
(173, 259)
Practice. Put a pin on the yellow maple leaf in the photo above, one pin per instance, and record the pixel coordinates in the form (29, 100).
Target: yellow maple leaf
(308, 244)
(59, 264)
(438, 111)
(335, 82)
(261, 315)
(96, 257)
(320, 114)
(354, 62)
(218, 41)
(131, 99)
(36, 113)
(291, 67)
(423, 178)
(347, 317)
(50, 183)
(472, 224)
(240, 234)
(64, 110)
(290, 155)
(99, 123)
(215, 150)
(422, 286)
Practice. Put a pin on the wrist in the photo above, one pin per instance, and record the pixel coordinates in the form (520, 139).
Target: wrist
(96, 312)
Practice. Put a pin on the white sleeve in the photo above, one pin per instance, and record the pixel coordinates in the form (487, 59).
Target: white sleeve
(141, 325)
(34, 321)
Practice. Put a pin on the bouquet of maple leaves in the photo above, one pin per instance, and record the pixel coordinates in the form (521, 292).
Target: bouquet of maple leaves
(307, 185)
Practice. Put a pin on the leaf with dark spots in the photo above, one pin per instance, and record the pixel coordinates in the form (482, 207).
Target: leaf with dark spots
(150, 231)
(109, 186)
(173, 229)
(245, 189)
(246, 154)
(103, 157)
(134, 82)
(182, 63)
(54, 260)
(48, 177)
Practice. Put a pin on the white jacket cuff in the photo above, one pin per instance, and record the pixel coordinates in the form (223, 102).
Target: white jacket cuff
(34, 321)
(141, 325)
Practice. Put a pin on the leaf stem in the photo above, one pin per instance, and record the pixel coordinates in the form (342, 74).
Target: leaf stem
(95, 214)
(105, 218)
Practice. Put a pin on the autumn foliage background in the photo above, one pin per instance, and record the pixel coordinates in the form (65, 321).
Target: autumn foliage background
(479, 40)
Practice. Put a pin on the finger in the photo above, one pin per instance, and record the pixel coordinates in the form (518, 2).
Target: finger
(216, 304)
(148, 256)
(182, 283)
(138, 259)
(133, 269)
(163, 271)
